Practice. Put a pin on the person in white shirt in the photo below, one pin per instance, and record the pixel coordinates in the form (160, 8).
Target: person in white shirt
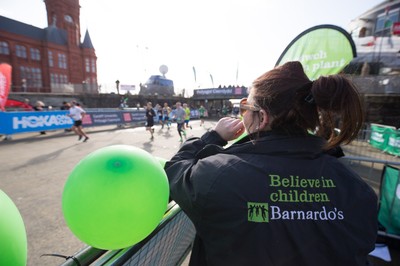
(77, 114)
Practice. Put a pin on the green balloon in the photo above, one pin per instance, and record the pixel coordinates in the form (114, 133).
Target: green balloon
(115, 197)
(161, 161)
(13, 242)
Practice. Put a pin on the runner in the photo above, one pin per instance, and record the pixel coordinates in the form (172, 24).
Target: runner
(166, 110)
(187, 116)
(179, 116)
(150, 114)
(77, 114)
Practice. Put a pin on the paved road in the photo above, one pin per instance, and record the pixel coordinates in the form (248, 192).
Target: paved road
(35, 167)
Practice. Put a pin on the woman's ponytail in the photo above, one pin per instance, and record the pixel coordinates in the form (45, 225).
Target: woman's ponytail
(339, 105)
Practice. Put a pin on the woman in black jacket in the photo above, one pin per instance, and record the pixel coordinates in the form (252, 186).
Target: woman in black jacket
(278, 196)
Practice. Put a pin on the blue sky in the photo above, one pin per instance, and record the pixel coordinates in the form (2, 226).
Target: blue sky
(218, 37)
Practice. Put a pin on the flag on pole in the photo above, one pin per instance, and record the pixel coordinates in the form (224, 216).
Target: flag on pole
(237, 73)
(212, 80)
(5, 82)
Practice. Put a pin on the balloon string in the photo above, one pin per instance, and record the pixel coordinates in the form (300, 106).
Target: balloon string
(65, 257)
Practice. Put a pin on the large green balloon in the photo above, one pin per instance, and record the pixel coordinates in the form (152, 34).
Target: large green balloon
(115, 197)
(161, 161)
(13, 243)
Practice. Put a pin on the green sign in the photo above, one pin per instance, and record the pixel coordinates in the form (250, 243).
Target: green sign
(322, 50)
(393, 146)
(380, 136)
(385, 138)
(389, 210)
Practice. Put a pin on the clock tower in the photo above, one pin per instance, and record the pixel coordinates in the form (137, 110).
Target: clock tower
(64, 14)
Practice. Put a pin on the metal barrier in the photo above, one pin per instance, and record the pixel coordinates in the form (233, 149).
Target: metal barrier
(168, 244)
(361, 147)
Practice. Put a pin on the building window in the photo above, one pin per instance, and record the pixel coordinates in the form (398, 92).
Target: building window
(35, 54)
(51, 62)
(54, 79)
(63, 79)
(4, 48)
(62, 61)
(93, 66)
(87, 64)
(58, 79)
(32, 75)
(385, 21)
(20, 51)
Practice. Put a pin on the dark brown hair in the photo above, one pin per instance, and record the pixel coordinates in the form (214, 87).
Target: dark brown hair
(298, 105)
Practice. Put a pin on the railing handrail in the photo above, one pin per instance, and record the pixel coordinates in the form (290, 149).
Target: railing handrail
(90, 254)
(369, 159)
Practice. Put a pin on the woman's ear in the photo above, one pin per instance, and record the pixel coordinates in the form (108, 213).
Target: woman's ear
(264, 120)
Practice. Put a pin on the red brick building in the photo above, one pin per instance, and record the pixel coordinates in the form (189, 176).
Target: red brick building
(52, 59)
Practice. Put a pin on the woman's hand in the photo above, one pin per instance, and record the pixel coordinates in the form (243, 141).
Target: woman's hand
(229, 128)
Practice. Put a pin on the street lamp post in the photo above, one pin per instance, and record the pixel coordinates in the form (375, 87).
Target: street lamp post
(117, 86)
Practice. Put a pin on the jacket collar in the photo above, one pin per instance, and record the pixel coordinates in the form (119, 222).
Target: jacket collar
(271, 143)
(275, 143)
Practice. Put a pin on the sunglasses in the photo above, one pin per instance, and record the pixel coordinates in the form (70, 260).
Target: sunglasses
(244, 107)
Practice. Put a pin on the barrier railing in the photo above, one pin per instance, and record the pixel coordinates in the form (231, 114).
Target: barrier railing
(376, 141)
(168, 244)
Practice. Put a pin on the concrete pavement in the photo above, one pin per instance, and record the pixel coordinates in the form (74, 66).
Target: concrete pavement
(35, 167)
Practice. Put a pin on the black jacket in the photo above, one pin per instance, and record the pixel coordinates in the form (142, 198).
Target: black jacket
(280, 201)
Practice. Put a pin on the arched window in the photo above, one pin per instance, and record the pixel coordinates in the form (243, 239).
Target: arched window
(68, 19)
(4, 49)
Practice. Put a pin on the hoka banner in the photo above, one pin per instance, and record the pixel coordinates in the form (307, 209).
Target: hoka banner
(322, 50)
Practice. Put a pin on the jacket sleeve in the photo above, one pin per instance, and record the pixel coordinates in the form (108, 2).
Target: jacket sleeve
(180, 171)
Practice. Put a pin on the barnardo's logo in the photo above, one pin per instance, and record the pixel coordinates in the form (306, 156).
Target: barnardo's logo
(257, 212)
(38, 121)
(296, 198)
(260, 213)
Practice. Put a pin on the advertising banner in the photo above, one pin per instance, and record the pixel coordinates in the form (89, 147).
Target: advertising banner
(322, 50)
(127, 87)
(5, 83)
(389, 210)
(102, 118)
(380, 136)
(20, 122)
(139, 116)
(393, 146)
(221, 92)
